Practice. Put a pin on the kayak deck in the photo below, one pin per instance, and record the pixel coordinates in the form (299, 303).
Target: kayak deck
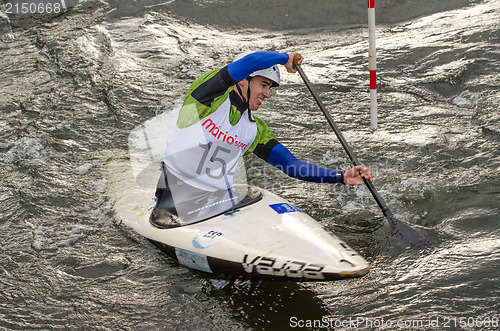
(267, 239)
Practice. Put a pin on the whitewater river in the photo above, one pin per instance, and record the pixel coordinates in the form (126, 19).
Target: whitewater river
(74, 85)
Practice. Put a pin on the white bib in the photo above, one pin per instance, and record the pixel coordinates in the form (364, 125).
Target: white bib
(206, 154)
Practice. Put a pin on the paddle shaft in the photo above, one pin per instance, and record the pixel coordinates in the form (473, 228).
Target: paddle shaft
(387, 212)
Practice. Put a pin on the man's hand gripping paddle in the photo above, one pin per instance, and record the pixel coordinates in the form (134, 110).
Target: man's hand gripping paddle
(400, 229)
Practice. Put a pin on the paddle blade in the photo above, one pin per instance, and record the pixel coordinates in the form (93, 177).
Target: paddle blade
(408, 235)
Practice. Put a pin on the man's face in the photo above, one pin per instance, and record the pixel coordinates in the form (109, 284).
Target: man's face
(259, 89)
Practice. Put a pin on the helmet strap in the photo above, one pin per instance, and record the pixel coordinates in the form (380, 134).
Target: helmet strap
(247, 101)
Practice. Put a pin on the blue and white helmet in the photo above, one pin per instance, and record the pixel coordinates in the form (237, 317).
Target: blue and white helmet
(272, 73)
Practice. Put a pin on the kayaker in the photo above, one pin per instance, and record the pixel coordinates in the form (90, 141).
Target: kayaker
(216, 127)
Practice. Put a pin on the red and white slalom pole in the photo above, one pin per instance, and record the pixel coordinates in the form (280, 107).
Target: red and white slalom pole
(372, 64)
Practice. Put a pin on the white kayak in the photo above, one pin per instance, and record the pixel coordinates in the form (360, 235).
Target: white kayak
(269, 238)
(266, 237)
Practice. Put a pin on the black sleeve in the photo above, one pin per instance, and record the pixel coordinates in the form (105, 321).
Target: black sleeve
(263, 150)
(213, 88)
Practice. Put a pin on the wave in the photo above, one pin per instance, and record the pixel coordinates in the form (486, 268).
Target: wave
(284, 15)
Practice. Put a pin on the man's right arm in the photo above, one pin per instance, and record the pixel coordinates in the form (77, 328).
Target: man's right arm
(234, 72)
(214, 87)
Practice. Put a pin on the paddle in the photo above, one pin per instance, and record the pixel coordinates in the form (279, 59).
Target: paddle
(401, 230)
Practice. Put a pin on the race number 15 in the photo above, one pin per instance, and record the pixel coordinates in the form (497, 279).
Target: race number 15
(217, 158)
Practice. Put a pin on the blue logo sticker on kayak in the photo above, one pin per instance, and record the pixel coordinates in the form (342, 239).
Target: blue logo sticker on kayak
(282, 208)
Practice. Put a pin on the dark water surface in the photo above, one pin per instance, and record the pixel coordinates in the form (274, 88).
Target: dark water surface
(75, 84)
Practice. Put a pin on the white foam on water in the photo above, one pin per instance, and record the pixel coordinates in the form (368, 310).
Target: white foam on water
(466, 99)
(83, 169)
(147, 143)
(45, 237)
(28, 148)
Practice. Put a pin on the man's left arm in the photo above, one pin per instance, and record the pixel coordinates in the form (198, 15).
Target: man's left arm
(283, 159)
